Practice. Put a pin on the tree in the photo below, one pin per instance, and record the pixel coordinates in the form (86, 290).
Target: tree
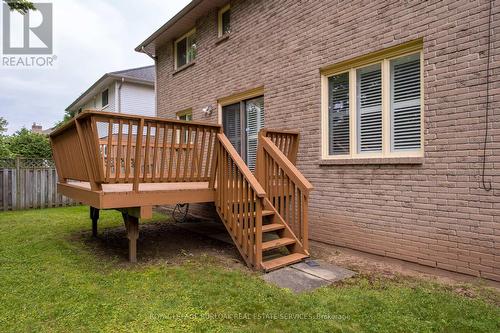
(22, 6)
(3, 125)
(25, 143)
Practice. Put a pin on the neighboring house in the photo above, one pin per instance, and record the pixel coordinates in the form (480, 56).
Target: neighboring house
(390, 100)
(129, 91)
(35, 128)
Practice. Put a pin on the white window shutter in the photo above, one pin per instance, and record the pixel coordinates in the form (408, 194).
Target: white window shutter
(369, 98)
(338, 115)
(405, 103)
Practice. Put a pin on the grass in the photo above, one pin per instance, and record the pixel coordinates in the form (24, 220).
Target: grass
(51, 281)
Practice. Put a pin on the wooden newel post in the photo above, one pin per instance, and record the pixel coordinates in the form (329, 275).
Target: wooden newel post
(132, 226)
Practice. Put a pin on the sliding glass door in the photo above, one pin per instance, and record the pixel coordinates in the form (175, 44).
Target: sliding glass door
(242, 122)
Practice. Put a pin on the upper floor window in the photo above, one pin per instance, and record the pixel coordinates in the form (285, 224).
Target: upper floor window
(186, 115)
(373, 108)
(224, 20)
(105, 98)
(185, 49)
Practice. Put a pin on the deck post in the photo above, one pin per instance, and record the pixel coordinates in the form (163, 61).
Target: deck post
(94, 216)
(132, 226)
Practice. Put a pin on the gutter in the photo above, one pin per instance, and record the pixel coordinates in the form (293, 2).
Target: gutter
(119, 93)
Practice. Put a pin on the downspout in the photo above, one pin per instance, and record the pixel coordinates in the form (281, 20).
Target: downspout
(119, 93)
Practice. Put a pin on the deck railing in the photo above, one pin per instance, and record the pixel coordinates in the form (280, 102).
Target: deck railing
(287, 189)
(107, 148)
(286, 141)
(239, 201)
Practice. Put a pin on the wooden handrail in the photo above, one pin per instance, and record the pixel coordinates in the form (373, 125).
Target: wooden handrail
(254, 183)
(290, 169)
(287, 141)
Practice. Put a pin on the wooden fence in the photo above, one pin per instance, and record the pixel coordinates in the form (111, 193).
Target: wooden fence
(27, 183)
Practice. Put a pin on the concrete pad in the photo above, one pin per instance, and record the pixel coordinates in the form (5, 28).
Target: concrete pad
(307, 276)
(323, 270)
(294, 280)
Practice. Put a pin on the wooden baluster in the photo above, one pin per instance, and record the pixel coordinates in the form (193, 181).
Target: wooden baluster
(118, 164)
(179, 154)
(253, 249)
(129, 151)
(147, 147)
(304, 223)
(187, 165)
(258, 232)
(293, 207)
(241, 179)
(245, 212)
(172, 150)
(211, 142)
(108, 150)
(155, 152)
(138, 155)
(194, 162)
(200, 161)
(164, 152)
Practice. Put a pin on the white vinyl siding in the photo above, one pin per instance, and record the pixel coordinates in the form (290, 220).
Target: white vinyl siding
(405, 103)
(374, 108)
(137, 99)
(369, 99)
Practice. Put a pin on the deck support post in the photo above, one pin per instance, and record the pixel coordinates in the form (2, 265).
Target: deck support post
(132, 226)
(94, 216)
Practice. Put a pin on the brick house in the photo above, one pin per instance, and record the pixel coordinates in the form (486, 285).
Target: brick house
(390, 100)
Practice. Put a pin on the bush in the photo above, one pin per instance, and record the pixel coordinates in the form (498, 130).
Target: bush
(28, 144)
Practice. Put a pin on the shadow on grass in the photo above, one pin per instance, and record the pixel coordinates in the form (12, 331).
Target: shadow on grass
(159, 242)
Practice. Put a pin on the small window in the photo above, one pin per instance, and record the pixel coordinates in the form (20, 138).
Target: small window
(186, 115)
(373, 107)
(224, 21)
(185, 49)
(104, 98)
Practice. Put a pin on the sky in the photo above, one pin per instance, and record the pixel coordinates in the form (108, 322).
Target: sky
(91, 37)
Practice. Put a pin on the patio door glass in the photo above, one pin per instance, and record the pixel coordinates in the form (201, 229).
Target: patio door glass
(242, 122)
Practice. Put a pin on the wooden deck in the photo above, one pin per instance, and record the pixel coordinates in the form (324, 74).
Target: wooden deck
(113, 196)
(133, 163)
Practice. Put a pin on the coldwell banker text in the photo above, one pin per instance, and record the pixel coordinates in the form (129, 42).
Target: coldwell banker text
(28, 37)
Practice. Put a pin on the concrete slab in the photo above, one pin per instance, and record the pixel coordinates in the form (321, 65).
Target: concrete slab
(323, 270)
(307, 276)
(294, 280)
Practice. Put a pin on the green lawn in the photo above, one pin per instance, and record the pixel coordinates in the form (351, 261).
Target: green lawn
(51, 281)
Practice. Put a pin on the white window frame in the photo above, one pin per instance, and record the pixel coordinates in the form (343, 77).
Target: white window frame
(222, 11)
(384, 58)
(188, 60)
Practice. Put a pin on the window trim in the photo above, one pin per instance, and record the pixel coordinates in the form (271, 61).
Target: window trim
(222, 11)
(351, 66)
(188, 62)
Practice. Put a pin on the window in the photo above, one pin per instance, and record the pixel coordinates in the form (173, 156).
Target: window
(242, 120)
(185, 49)
(186, 115)
(224, 21)
(373, 107)
(104, 98)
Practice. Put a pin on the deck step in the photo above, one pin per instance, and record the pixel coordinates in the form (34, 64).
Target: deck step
(283, 261)
(272, 227)
(276, 243)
